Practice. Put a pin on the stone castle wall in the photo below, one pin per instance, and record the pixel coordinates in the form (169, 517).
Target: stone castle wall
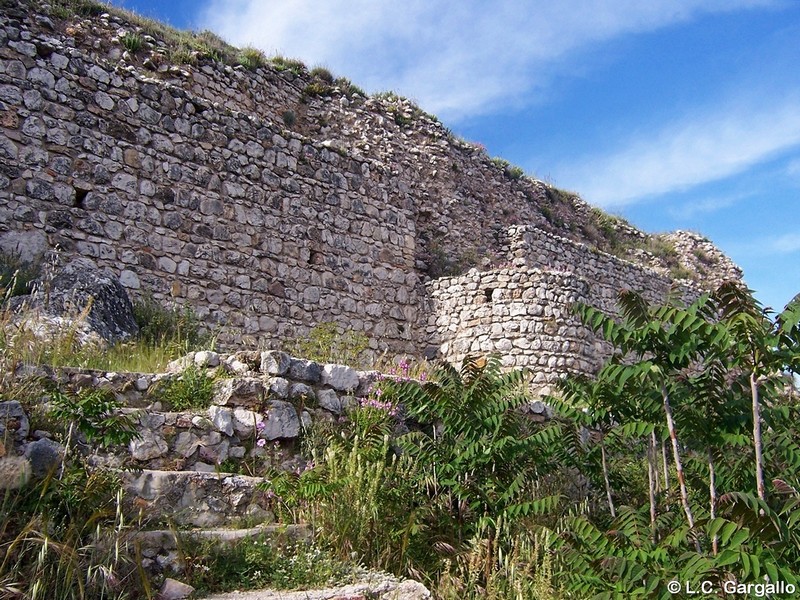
(188, 183)
(263, 231)
(523, 312)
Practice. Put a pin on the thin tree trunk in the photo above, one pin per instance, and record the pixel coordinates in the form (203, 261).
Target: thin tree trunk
(676, 455)
(652, 477)
(605, 477)
(762, 493)
(665, 462)
(712, 493)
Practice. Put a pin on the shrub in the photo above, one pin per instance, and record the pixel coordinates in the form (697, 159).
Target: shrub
(16, 275)
(281, 63)
(192, 389)
(317, 88)
(251, 58)
(132, 42)
(323, 74)
(289, 117)
(94, 412)
(326, 343)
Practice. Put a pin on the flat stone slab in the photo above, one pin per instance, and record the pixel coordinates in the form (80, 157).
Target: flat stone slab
(195, 498)
(378, 586)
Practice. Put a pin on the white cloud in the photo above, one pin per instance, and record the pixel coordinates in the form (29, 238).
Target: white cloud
(704, 147)
(786, 244)
(455, 58)
(690, 210)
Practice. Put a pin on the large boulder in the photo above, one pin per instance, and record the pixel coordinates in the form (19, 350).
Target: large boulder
(80, 290)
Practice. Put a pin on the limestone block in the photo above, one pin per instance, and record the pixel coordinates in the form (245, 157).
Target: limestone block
(328, 400)
(305, 370)
(222, 418)
(148, 445)
(281, 422)
(239, 391)
(340, 377)
(274, 362)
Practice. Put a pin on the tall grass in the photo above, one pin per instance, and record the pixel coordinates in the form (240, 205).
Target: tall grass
(65, 538)
(28, 336)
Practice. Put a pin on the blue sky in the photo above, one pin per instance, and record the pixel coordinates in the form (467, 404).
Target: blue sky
(675, 114)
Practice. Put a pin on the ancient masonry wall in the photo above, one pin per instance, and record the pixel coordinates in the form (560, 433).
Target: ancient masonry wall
(264, 232)
(186, 185)
(523, 312)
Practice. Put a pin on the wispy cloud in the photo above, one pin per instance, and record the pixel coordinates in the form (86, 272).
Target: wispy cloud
(699, 148)
(689, 210)
(455, 58)
(785, 244)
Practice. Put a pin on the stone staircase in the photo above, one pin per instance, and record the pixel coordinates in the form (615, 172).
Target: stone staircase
(197, 473)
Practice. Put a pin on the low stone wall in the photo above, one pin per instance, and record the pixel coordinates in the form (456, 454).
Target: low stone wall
(180, 464)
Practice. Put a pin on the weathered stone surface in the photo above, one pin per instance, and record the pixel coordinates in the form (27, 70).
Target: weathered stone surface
(245, 422)
(44, 455)
(239, 391)
(274, 362)
(173, 589)
(305, 370)
(148, 445)
(206, 358)
(14, 424)
(301, 391)
(222, 418)
(340, 377)
(192, 498)
(192, 188)
(328, 400)
(281, 421)
(279, 387)
(379, 586)
(80, 287)
(186, 444)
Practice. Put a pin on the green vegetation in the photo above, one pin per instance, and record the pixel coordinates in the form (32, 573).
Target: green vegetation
(327, 343)
(62, 533)
(289, 117)
(164, 333)
(478, 501)
(259, 563)
(252, 58)
(192, 389)
(322, 74)
(281, 63)
(318, 88)
(16, 275)
(132, 42)
(511, 171)
(94, 413)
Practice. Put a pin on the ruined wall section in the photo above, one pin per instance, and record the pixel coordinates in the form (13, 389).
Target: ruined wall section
(520, 313)
(263, 231)
(523, 311)
(607, 274)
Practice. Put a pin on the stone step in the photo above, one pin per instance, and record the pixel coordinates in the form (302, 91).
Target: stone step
(195, 499)
(162, 549)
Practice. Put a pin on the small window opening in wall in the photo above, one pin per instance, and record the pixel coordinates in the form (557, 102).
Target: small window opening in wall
(401, 329)
(312, 257)
(488, 294)
(80, 196)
